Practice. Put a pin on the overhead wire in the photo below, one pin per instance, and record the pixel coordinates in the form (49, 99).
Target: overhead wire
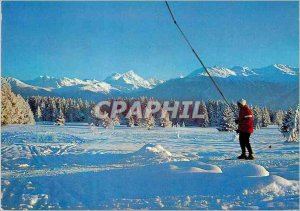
(199, 59)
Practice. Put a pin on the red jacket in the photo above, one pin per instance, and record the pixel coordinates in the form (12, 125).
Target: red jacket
(245, 120)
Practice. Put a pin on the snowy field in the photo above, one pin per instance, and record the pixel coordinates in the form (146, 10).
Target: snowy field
(83, 167)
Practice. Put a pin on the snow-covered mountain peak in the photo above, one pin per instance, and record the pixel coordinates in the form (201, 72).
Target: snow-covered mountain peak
(11, 81)
(221, 72)
(272, 72)
(53, 83)
(102, 87)
(45, 82)
(243, 71)
(73, 82)
(154, 81)
(16, 83)
(215, 71)
(286, 69)
(129, 81)
(132, 77)
(129, 74)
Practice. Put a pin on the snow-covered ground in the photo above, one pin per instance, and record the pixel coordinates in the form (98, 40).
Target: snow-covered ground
(83, 167)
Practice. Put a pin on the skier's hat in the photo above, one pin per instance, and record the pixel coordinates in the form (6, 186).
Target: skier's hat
(242, 102)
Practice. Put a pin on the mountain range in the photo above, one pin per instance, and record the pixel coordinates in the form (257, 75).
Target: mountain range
(275, 86)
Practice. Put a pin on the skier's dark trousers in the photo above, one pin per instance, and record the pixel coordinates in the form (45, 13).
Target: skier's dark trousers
(245, 143)
(245, 123)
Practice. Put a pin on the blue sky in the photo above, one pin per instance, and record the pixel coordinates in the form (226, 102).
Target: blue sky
(95, 39)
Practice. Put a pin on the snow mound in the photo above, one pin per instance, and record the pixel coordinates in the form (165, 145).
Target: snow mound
(194, 167)
(273, 186)
(151, 150)
(247, 170)
(280, 186)
(156, 152)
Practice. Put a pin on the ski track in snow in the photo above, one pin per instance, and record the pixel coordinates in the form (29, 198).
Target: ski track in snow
(82, 167)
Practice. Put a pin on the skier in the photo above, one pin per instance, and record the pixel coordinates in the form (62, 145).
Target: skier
(245, 128)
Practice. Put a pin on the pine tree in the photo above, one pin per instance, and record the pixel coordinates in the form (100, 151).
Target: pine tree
(183, 125)
(6, 104)
(294, 134)
(107, 122)
(227, 122)
(278, 117)
(43, 110)
(140, 122)
(130, 121)
(290, 125)
(236, 109)
(212, 113)
(286, 123)
(54, 110)
(116, 120)
(23, 114)
(150, 122)
(165, 119)
(257, 117)
(38, 114)
(14, 109)
(266, 120)
(202, 110)
(95, 120)
(60, 119)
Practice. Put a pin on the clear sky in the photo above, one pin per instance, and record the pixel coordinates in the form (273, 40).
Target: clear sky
(95, 39)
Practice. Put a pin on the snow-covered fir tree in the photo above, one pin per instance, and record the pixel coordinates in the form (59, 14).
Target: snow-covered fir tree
(60, 119)
(150, 122)
(287, 122)
(140, 122)
(215, 110)
(116, 120)
(43, 110)
(266, 120)
(14, 109)
(54, 112)
(165, 119)
(130, 121)
(94, 116)
(290, 125)
(257, 117)
(294, 134)
(227, 122)
(38, 114)
(107, 122)
(278, 117)
(236, 109)
(212, 113)
(220, 110)
(23, 112)
(203, 122)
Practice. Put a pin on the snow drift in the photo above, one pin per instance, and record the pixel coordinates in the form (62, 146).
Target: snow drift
(155, 153)
(70, 167)
(247, 170)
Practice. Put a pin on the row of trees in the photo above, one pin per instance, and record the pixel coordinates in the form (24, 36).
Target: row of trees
(15, 110)
(215, 113)
(49, 108)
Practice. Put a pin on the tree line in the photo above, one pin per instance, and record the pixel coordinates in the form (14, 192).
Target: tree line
(17, 110)
(215, 113)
